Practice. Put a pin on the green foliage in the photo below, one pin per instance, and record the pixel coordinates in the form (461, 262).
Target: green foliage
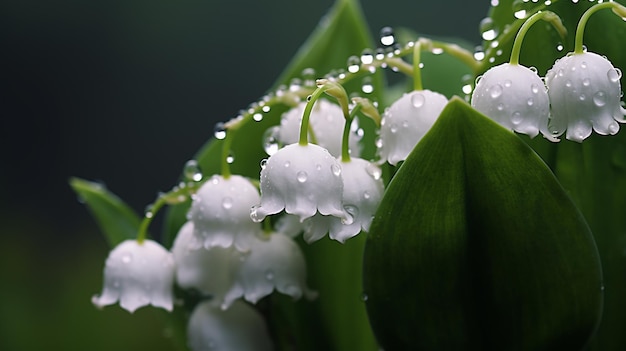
(117, 220)
(476, 246)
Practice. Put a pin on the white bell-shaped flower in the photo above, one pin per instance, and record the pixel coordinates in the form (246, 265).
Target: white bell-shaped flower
(585, 94)
(302, 180)
(406, 121)
(362, 192)
(326, 123)
(220, 211)
(209, 271)
(274, 262)
(240, 328)
(515, 97)
(138, 274)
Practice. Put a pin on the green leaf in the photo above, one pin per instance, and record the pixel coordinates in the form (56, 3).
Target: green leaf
(117, 220)
(476, 246)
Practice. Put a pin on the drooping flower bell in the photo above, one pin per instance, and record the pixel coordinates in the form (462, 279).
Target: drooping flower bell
(138, 274)
(239, 328)
(220, 212)
(515, 97)
(209, 271)
(406, 121)
(303, 180)
(584, 90)
(274, 262)
(326, 124)
(363, 189)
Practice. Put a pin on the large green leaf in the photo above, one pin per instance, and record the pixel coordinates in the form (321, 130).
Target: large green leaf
(593, 173)
(117, 220)
(476, 246)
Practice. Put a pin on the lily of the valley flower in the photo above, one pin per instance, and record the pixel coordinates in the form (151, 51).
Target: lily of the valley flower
(274, 262)
(362, 192)
(326, 123)
(584, 90)
(406, 121)
(209, 271)
(220, 212)
(239, 328)
(138, 274)
(515, 97)
(303, 180)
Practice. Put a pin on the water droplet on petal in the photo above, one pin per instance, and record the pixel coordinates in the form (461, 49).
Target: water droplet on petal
(254, 214)
(495, 91)
(530, 102)
(227, 203)
(534, 88)
(516, 117)
(614, 75)
(269, 274)
(287, 164)
(336, 170)
(613, 128)
(599, 98)
(127, 257)
(270, 140)
(302, 176)
(507, 83)
(586, 82)
(418, 100)
(366, 195)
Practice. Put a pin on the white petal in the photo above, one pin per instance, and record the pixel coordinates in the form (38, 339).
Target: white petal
(273, 263)
(137, 275)
(406, 121)
(302, 180)
(221, 212)
(210, 271)
(240, 328)
(585, 95)
(515, 97)
(326, 123)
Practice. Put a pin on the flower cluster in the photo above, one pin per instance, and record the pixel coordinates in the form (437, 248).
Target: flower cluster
(239, 243)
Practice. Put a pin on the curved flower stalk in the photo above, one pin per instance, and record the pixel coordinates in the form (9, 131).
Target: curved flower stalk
(363, 189)
(326, 124)
(274, 262)
(406, 121)
(208, 271)
(138, 274)
(514, 95)
(220, 212)
(239, 328)
(585, 93)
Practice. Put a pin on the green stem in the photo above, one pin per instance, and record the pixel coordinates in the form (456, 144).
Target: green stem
(417, 72)
(304, 126)
(345, 140)
(580, 29)
(542, 15)
(147, 219)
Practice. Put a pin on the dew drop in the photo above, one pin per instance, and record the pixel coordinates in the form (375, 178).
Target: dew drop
(269, 274)
(487, 29)
(354, 64)
(270, 140)
(599, 98)
(230, 158)
(516, 118)
(257, 117)
(418, 100)
(559, 47)
(534, 88)
(192, 171)
(500, 107)
(393, 128)
(613, 128)
(335, 169)
(530, 102)
(495, 91)
(364, 297)
(127, 258)
(254, 214)
(568, 83)
(520, 14)
(437, 51)
(479, 53)
(386, 36)
(366, 195)
(308, 75)
(373, 171)
(227, 203)
(367, 57)
(467, 89)
(367, 86)
(507, 83)
(582, 97)
(583, 65)
(219, 131)
(287, 164)
(302, 176)
(614, 75)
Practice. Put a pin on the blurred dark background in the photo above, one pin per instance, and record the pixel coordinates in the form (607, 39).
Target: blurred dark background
(125, 92)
